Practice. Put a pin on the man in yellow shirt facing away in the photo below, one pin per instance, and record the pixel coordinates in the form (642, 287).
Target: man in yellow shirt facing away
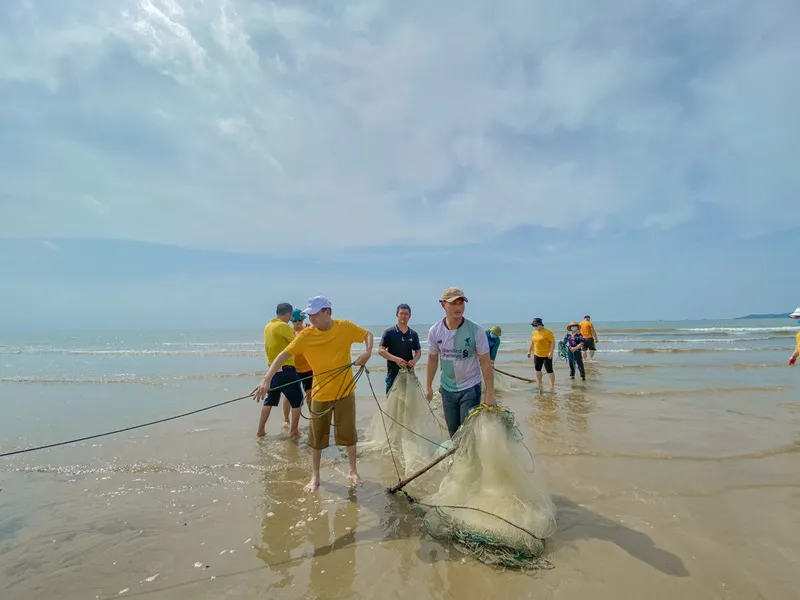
(589, 334)
(543, 342)
(326, 346)
(796, 316)
(277, 336)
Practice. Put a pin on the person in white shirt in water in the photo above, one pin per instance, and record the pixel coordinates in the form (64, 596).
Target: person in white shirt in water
(462, 347)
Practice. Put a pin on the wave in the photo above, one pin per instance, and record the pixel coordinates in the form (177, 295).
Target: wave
(786, 449)
(161, 380)
(708, 390)
(140, 352)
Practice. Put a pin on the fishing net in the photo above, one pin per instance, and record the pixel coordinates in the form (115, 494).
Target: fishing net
(502, 384)
(492, 503)
(407, 427)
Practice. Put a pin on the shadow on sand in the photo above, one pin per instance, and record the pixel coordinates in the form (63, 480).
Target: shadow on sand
(579, 523)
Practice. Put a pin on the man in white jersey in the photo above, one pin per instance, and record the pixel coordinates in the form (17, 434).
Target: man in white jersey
(464, 350)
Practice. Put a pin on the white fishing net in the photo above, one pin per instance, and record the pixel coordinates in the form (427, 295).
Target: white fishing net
(502, 384)
(492, 502)
(407, 427)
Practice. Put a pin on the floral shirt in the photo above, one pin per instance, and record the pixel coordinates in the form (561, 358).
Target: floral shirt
(572, 340)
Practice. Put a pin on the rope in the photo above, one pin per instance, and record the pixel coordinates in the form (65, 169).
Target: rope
(164, 420)
(339, 395)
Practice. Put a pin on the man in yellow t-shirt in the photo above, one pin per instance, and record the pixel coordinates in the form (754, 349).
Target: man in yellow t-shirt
(326, 346)
(796, 316)
(277, 336)
(543, 342)
(589, 334)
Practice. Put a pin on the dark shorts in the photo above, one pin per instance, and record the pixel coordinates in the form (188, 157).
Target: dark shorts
(588, 344)
(307, 380)
(539, 361)
(292, 391)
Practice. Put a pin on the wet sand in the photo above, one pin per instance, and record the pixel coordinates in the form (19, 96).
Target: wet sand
(658, 496)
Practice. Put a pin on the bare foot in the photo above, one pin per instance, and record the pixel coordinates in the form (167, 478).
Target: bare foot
(354, 479)
(294, 434)
(261, 433)
(312, 486)
(286, 424)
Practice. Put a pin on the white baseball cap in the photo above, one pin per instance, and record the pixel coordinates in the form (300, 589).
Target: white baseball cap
(316, 304)
(796, 313)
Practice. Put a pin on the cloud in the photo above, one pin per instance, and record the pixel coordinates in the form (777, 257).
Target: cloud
(280, 127)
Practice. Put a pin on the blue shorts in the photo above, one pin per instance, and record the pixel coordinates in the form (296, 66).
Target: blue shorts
(293, 391)
(457, 406)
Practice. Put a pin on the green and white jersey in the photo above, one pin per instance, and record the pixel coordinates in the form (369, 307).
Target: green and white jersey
(458, 351)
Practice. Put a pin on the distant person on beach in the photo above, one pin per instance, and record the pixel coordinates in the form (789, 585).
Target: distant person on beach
(796, 316)
(277, 336)
(543, 343)
(326, 346)
(589, 334)
(493, 336)
(574, 343)
(399, 346)
(464, 351)
(301, 364)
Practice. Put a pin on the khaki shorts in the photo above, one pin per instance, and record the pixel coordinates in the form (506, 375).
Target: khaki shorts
(343, 412)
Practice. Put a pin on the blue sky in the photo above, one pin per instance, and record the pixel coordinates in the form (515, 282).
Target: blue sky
(186, 164)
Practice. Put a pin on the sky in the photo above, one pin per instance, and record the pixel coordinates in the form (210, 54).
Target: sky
(188, 164)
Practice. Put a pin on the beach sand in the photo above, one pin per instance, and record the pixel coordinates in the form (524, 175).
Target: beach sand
(660, 495)
(648, 504)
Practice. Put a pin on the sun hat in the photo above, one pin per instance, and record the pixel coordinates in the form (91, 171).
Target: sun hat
(571, 325)
(537, 321)
(297, 315)
(452, 294)
(495, 329)
(316, 304)
(796, 313)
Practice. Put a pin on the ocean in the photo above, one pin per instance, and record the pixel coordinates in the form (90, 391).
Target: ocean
(674, 467)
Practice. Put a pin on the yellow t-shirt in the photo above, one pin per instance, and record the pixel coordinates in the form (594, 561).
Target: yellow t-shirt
(541, 340)
(326, 351)
(797, 339)
(299, 360)
(586, 328)
(277, 335)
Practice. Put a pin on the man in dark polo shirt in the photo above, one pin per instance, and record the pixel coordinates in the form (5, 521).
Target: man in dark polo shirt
(399, 346)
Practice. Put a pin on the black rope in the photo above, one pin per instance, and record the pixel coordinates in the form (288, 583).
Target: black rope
(164, 420)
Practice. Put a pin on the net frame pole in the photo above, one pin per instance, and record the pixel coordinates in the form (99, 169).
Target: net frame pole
(401, 484)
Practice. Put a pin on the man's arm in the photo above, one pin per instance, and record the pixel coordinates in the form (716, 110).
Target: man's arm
(552, 348)
(415, 360)
(368, 341)
(262, 388)
(384, 352)
(488, 376)
(433, 364)
(594, 333)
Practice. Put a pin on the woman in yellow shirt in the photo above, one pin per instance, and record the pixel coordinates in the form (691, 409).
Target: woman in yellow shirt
(543, 343)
